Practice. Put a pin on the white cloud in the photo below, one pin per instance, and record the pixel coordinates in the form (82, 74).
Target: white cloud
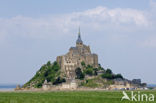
(98, 18)
(115, 16)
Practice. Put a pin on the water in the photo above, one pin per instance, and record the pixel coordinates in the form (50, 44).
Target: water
(7, 87)
(151, 85)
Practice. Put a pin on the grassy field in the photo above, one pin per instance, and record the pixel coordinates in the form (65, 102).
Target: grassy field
(66, 97)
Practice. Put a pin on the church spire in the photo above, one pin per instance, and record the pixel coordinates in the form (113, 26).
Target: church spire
(79, 41)
(79, 33)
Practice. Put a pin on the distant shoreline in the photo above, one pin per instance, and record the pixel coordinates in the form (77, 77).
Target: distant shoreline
(151, 85)
(7, 88)
(10, 88)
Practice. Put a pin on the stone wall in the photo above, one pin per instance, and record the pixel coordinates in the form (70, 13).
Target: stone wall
(72, 60)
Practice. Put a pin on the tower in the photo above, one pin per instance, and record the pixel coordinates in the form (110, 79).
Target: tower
(79, 42)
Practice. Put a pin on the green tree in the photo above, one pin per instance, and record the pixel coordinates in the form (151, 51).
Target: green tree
(48, 71)
(83, 64)
(118, 76)
(89, 66)
(79, 73)
(109, 71)
(95, 71)
(89, 71)
(100, 68)
(48, 63)
(55, 66)
(107, 76)
(59, 80)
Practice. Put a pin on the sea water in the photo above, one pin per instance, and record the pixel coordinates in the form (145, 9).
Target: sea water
(7, 87)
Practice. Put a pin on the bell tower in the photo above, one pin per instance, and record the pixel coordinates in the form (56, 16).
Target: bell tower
(79, 42)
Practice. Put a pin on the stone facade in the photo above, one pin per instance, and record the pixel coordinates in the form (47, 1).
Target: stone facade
(72, 60)
(70, 85)
(46, 85)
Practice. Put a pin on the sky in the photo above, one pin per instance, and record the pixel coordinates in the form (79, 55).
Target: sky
(121, 32)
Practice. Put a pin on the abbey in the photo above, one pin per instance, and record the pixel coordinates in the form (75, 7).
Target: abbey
(78, 69)
(76, 55)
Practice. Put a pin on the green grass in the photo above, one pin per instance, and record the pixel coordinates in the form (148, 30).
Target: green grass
(66, 97)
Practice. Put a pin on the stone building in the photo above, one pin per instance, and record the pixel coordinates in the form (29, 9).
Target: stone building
(72, 60)
(70, 84)
(136, 81)
(46, 85)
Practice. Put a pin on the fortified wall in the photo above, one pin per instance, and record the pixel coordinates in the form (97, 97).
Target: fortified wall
(72, 60)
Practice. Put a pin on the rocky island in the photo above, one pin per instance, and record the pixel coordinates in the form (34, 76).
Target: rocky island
(78, 69)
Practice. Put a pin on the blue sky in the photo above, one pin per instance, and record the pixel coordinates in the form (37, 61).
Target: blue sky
(121, 32)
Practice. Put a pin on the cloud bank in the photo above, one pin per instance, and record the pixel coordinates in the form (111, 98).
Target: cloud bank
(99, 19)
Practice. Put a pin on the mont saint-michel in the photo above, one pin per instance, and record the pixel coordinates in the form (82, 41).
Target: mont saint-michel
(74, 58)
(78, 69)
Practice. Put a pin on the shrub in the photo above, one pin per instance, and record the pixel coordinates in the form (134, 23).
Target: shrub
(39, 85)
(118, 76)
(79, 74)
(100, 68)
(108, 71)
(107, 76)
(59, 80)
(48, 71)
(83, 64)
(55, 66)
(48, 63)
(89, 71)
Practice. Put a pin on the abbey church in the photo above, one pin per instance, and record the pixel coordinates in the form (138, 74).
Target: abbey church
(78, 69)
(76, 55)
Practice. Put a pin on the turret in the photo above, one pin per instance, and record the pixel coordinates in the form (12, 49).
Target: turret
(79, 42)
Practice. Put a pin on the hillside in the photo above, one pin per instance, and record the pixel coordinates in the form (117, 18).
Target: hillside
(87, 75)
(49, 72)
